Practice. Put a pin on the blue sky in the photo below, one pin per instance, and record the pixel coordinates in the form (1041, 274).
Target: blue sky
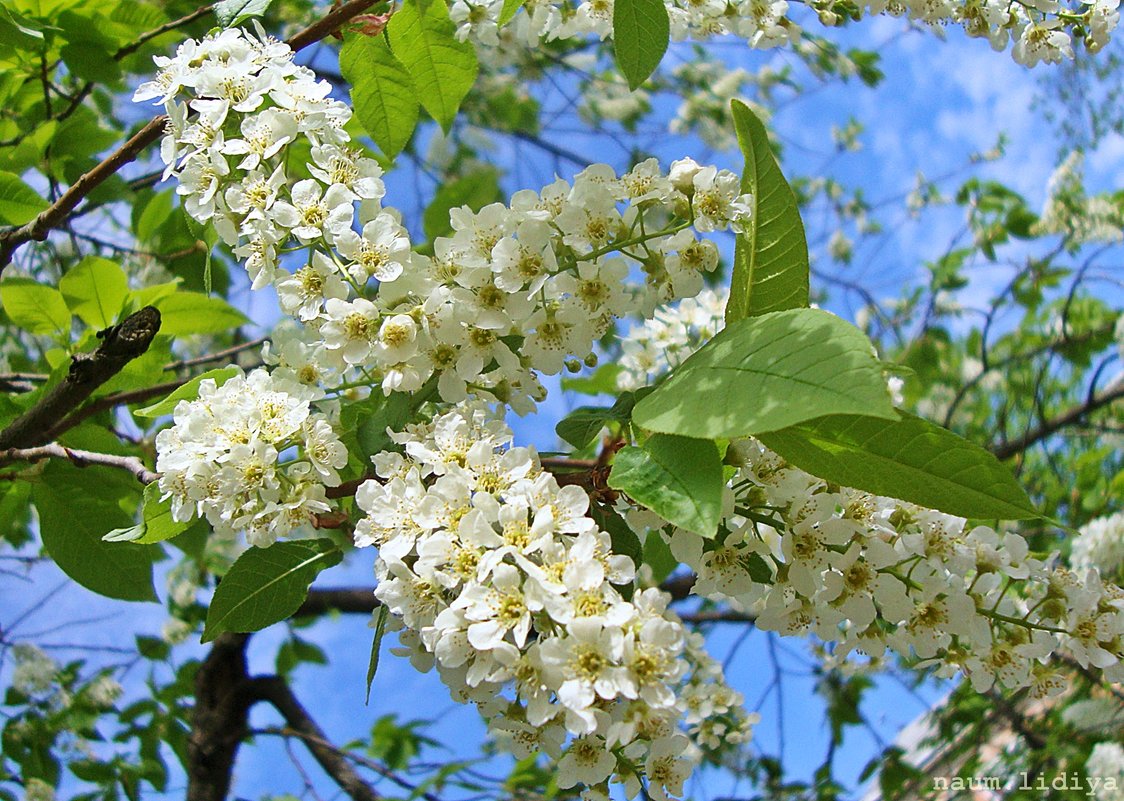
(939, 103)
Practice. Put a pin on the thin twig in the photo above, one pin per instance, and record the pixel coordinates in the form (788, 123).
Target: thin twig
(1008, 449)
(81, 458)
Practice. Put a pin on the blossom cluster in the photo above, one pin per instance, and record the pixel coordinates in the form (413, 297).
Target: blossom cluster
(515, 291)
(1042, 31)
(1081, 219)
(1100, 544)
(504, 582)
(1106, 763)
(250, 455)
(873, 574)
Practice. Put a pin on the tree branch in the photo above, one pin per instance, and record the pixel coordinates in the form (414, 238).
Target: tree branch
(120, 344)
(53, 216)
(276, 691)
(81, 459)
(219, 721)
(1006, 450)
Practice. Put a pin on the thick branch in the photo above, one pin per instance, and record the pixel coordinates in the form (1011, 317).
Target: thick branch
(56, 214)
(120, 344)
(276, 691)
(1006, 450)
(219, 722)
(80, 458)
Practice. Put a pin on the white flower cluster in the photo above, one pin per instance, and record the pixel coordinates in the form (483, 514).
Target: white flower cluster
(1100, 544)
(1070, 212)
(871, 573)
(1106, 766)
(502, 579)
(674, 333)
(515, 291)
(249, 455)
(1042, 31)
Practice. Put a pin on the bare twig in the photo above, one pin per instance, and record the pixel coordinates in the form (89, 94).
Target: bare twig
(81, 458)
(217, 356)
(1052, 425)
(276, 691)
(120, 344)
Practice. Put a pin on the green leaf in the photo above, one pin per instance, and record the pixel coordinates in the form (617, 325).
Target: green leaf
(658, 556)
(156, 517)
(475, 190)
(581, 426)
(95, 289)
(19, 203)
(189, 391)
(75, 510)
(183, 313)
(442, 68)
(380, 617)
(267, 585)
(509, 10)
(907, 458)
(34, 307)
(603, 381)
(382, 91)
(678, 478)
(771, 257)
(233, 12)
(641, 31)
(766, 373)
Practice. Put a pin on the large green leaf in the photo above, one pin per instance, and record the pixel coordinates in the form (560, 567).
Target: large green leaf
(234, 12)
(95, 289)
(766, 373)
(382, 91)
(678, 478)
(19, 203)
(442, 68)
(75, 509)
(183, 313)
(581, 426)
(771, 257)
(34, 307)
(907, 458)
(267, 585)
(189, 391)
(641, 30)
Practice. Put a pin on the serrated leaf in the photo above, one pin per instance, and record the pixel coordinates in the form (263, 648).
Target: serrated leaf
(267, 585)
(380, 618)
(189, 391)
(766, 373)
(19, 203)
(95, 289)
(183, 313)
(678, 478)
(34, 307)
(233, 12)
(74, 512)
(906, 458)
(382, 92)
(441, 67)
(771, 257)
(641, 31)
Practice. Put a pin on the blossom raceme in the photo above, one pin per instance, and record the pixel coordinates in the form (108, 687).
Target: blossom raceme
(508, 587)
(250, 455)
(515, 291)
(875, 575)
(1043, 32)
